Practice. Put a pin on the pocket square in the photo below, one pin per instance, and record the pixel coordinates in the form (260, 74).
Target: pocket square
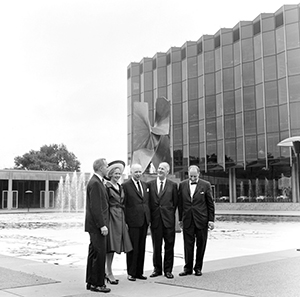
(147, 189)
(201, 192)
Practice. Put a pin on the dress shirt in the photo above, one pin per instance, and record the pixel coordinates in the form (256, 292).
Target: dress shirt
(135, 182)
(158, 183)
(100, 177)
(192, 188)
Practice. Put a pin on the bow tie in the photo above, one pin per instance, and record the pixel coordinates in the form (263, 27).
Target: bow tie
(194, 183)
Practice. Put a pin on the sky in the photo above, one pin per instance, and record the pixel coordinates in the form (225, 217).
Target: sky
(63, 66)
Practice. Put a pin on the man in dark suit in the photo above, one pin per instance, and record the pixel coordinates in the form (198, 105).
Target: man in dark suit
(137, 217)
(96, 222)
(196, 215)
(163, 203)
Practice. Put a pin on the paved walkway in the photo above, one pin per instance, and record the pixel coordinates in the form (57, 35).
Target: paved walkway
(263, 275)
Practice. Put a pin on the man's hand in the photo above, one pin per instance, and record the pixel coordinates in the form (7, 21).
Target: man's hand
(104, 230)
(211, 225)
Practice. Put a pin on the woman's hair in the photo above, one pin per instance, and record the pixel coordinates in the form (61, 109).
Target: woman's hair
(111, 172)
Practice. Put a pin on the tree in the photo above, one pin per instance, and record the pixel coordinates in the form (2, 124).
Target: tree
(49, 158)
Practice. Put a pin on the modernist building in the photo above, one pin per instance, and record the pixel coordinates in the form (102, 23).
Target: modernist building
(234, 96)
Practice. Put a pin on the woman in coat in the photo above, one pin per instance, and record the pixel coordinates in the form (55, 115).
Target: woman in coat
(118, 236)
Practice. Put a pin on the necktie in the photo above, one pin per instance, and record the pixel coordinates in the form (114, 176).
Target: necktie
(139, 187)
(161, 187)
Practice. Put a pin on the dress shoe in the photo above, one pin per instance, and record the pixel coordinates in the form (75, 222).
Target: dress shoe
(131, 278)
(88, 286)
(142, 277)
(111, 281)
(169, 275)
(101, 289)
(184, 273)
(155, 274)
(198, 272)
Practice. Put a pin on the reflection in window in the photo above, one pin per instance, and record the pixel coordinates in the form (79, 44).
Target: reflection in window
(228, 79)
(209, 65)
(229, 126)
(201, 131)
(219, 102)
(176, 72)
(239, 150)
(177, 134)
(294, 88)
(220, 128)
(268, 24)
(251, 152)
(291, 16)
(192, 67)
(237, 77)
(282, 92)
(261, 150)
(211, 133)
(283, 117)
(210, 106)
(194, 155)
(281, 70)
(248, 74)
(257, 47)
(260, 121)
(210, 84)
(227, 56)
(249, 100)
(271, 93)
(247, 50)
(193, 88)
(270, 68)
(259, 96)
(238, 100)
(292, 36)
(250, 123)
(178, 157)
(236, 53)
(230, 151)
(258, 71)
(280, 40)
(194, 132)
(294, 61)
(239, 124)
(273, 148)
(228, 102)
(269, 43)
(177, 113)
(295, 112)
(176, 93)
(272, 119)
(193, 110)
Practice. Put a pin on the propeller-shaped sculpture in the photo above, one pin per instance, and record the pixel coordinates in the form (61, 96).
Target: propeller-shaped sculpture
(151, 144)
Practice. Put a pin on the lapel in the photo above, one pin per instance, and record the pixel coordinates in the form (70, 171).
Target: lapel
(136, 190)
(159, 194)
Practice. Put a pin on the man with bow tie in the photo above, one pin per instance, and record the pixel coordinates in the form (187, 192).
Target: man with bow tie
(196, 215)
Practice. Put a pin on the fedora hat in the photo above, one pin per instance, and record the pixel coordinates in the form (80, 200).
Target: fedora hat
(116, 164)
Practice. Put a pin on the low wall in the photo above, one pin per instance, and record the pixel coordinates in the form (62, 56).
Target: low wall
(259, 206)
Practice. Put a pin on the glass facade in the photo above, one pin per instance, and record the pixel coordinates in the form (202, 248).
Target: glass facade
(234, 96)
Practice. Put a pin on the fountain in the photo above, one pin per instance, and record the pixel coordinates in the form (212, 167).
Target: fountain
(71, 192)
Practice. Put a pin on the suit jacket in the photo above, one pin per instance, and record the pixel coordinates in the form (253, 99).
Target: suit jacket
(201, 208)
(136, 205)
(163, 205)
(96, 206)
